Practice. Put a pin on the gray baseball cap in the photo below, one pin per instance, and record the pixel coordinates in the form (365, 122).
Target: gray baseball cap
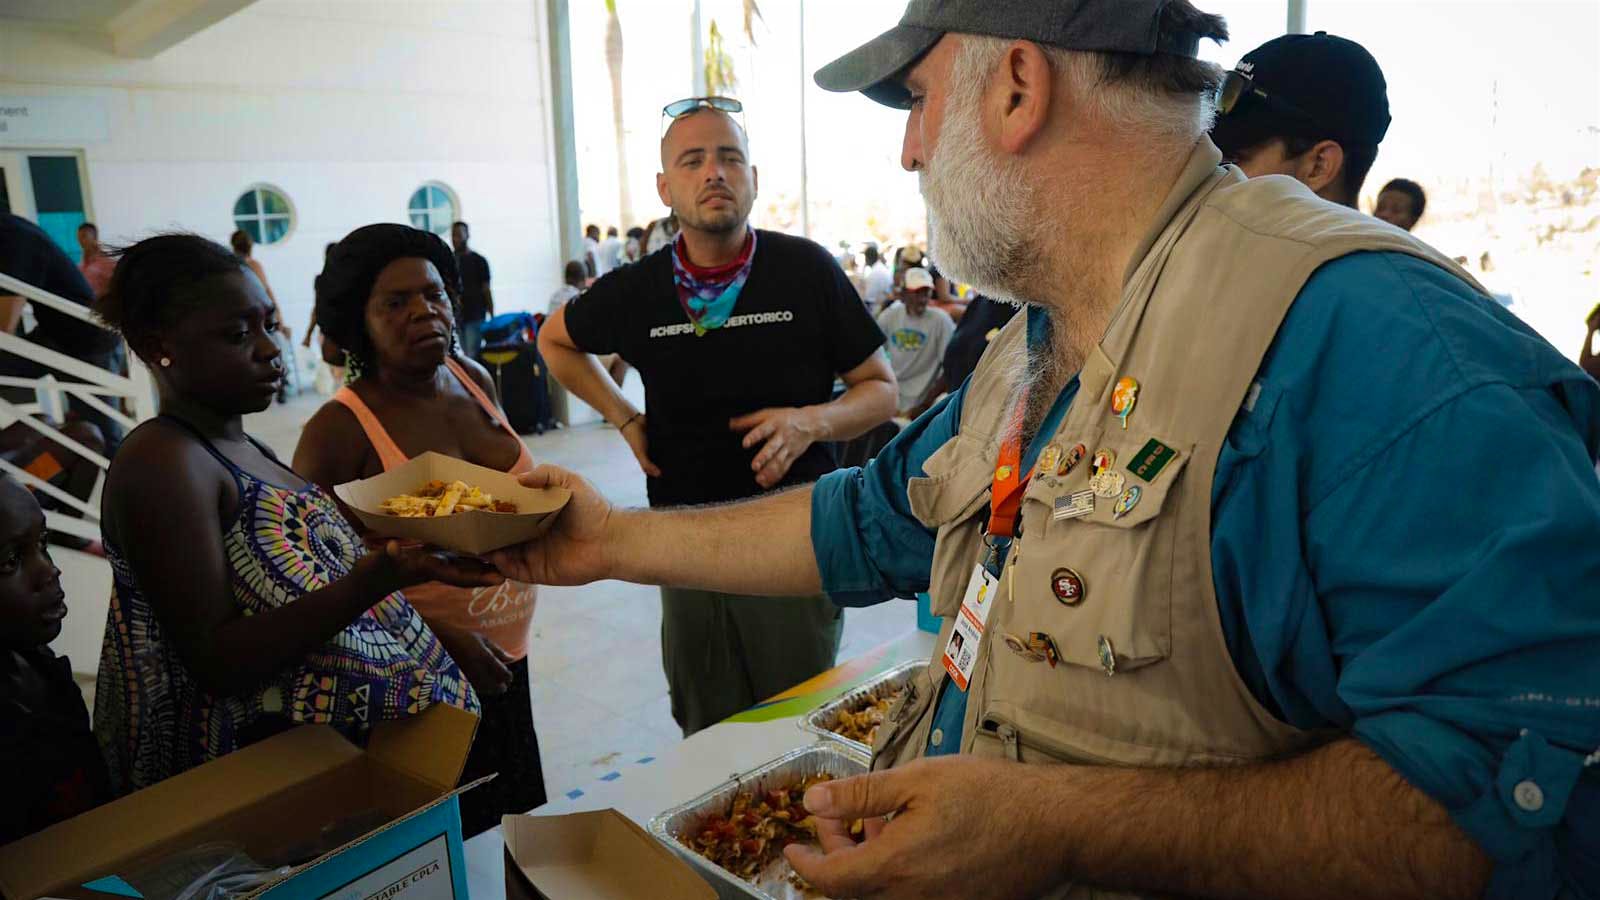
(1105, 26)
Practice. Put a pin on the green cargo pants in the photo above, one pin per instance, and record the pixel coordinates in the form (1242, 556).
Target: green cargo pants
(724, 653)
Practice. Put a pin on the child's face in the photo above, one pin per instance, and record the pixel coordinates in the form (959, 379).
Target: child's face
(32, 604)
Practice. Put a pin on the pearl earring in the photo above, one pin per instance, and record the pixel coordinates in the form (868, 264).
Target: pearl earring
(165, 362)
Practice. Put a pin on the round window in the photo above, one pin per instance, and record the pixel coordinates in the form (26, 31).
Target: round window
(264, 213)
(433, 208)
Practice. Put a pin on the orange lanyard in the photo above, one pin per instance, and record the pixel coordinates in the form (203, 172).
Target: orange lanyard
(1005, 500)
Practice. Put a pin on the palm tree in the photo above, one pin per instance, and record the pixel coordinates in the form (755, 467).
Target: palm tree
(721, 80)
(614, 64)
(752, 12)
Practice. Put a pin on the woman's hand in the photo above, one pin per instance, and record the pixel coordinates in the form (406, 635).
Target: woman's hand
(484, 663)
(400, 566)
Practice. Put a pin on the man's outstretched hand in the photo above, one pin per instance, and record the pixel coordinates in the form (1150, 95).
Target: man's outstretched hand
(573, 551)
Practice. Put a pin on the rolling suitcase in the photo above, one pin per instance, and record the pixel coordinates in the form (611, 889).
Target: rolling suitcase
(523, 383)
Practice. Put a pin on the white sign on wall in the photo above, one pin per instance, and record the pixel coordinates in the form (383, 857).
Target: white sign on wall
(38, 121)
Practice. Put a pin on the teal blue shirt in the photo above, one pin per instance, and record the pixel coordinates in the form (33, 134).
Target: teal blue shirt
(1405, 544)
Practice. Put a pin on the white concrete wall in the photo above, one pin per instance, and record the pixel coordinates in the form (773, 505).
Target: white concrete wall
(346, 105)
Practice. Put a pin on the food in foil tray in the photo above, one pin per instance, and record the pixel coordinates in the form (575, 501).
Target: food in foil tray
(438, 498)
(861, 722)
(757, 828)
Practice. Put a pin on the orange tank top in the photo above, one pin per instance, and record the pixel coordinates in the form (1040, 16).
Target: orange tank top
(503, 614)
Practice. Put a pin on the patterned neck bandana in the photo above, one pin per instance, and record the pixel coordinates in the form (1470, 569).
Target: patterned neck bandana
(708, 295)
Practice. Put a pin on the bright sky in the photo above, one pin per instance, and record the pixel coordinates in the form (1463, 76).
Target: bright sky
(1472, 83)
(1476, 87)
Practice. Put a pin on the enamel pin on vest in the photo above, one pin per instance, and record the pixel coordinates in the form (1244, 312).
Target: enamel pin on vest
(1123, 399)
(1108, 656)
(1128, 500)
(1071, 460)
(1075, 505)
(1049, 458)
(1108, 484)
(1068, 586)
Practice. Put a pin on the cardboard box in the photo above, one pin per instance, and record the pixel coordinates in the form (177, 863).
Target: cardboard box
(598, 856)
(275, 799)
(472, 532)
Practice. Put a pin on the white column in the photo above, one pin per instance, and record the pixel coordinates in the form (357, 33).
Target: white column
(805, 181)
(697, 53)
(563, 143)
(1297, 17)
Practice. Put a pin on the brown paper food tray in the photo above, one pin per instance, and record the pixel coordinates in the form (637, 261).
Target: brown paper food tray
(473, 532)
(597, 856)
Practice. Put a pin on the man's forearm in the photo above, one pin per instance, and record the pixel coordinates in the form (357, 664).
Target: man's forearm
(1336, 822)
(862, 407)
(582, 374)
(760, 546)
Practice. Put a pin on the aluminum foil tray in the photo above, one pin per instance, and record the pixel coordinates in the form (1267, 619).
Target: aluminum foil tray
(676, 826)
(887, 684)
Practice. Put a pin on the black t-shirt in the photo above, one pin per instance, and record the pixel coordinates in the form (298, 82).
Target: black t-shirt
(474, 278)
(971, 337)
(796, 325)
(28, 254)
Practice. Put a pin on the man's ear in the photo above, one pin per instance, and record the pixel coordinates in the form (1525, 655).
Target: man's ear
(1321, 167)
(755, 181)
(1021, 96)
(661, 190)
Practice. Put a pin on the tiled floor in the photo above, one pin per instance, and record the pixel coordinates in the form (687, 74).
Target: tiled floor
(598, 691)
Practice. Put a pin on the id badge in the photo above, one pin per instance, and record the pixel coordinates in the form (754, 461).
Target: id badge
(961, 652)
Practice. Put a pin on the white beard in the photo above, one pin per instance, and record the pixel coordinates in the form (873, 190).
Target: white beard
(979, 206)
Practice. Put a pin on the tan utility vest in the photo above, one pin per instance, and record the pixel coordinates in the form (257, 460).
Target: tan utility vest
(1200, 307)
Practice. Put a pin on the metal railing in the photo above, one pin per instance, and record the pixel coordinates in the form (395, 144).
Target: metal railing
(98, 389)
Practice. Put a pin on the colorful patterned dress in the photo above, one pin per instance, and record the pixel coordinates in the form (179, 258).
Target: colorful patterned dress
(155, 721)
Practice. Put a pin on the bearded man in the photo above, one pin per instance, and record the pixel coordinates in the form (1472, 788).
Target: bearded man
(1239, 629)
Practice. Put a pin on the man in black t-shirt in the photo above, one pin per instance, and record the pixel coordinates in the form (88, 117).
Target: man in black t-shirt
(738, 335)
(477, 302)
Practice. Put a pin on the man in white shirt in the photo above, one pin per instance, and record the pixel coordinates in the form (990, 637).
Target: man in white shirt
(610, 254)
(918, 336)
(879, 281)
(573, 278)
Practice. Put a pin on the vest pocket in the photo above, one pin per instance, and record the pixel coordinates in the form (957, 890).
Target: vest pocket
(999, 736)
(959, 475)
(953, 499)
(1101, 585)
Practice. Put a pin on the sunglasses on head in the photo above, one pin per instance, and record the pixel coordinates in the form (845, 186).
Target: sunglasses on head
(679, 108)
(1238, 89)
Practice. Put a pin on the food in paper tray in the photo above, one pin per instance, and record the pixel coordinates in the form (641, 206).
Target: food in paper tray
(755, 831)
(861, 723)
(437, 499)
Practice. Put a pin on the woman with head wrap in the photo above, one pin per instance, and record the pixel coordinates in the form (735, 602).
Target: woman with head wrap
(388, 296)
